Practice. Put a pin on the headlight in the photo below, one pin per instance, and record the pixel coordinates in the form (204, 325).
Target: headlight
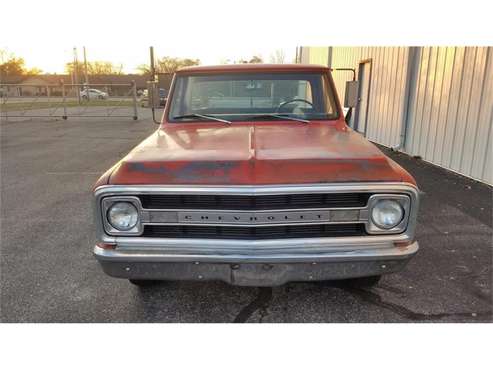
(123, 216)
(387, 213)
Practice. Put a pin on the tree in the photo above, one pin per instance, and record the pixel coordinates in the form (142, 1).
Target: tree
(278, 57)
(168, 65)
(104, 68)
(253, 60)
(256, 59)
(10, 65)
(225, 61)
(95, 68)
(143, 69)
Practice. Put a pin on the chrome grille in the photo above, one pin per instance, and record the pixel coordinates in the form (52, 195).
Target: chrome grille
(255, 212)
(260, 202)
(254, 233)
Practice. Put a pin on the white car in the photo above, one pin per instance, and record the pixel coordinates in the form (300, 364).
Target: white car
(93, 94)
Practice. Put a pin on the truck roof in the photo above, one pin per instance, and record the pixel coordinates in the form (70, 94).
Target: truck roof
(255, 68)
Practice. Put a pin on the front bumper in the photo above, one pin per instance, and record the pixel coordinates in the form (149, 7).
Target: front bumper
(255, 269)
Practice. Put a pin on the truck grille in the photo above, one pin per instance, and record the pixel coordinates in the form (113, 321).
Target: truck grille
(258, 202)
(254, 233)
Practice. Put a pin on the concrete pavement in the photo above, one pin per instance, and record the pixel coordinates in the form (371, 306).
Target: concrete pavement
(48, 273)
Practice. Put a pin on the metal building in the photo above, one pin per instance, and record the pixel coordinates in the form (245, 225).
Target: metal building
(432, 102)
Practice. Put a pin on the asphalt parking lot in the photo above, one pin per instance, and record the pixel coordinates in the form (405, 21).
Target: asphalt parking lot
(48, 273)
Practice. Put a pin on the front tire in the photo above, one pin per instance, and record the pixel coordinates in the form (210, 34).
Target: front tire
(144, 283)
(363, 282)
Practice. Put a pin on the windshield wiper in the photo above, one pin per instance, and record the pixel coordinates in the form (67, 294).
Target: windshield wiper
(280, 116)
(206, 116)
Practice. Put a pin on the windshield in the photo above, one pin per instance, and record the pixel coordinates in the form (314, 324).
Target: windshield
(251, 96)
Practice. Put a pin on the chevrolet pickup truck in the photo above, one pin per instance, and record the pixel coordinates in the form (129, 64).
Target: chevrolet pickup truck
(254, 178)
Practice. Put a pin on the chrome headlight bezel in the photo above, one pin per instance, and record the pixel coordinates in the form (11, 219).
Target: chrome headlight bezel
(403, 200)
(408, 194)
(106, 205)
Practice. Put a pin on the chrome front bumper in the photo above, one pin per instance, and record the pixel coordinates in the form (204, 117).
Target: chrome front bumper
(255, 262)
(267, 267)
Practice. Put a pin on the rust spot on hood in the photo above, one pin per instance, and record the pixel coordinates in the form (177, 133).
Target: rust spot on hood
(256, 153)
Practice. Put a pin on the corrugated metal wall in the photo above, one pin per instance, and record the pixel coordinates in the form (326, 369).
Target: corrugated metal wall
(448, 113)
(388, 85)
(451, 110)
(315, 55)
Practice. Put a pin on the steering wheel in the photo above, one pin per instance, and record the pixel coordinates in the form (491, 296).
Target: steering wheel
(280, 106)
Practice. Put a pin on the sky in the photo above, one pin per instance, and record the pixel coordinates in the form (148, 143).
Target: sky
(52, 58)
(121, 31)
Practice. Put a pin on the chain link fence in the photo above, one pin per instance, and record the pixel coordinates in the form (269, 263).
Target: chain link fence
(68, 100)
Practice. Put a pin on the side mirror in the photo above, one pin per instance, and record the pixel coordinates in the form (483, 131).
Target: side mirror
(152, 95)
(351, 95)
(347, 116)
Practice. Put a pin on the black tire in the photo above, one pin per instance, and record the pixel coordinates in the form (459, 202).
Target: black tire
(144, 283)
(363, 282)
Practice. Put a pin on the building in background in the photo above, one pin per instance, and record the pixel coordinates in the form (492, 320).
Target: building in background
(431, 102)
(50, 84)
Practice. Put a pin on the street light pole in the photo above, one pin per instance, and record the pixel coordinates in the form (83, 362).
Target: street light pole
(85, 66)
(76, 74)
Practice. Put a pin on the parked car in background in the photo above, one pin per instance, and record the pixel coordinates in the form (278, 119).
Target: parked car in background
(144, 99)
(254, 178)
(163, 95)
(88, 94)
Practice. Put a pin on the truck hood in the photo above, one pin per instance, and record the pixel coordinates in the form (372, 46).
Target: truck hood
(284, 152)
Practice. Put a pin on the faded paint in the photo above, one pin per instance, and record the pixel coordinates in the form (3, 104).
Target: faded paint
(233, 68)
(254, 153)
(283, 152)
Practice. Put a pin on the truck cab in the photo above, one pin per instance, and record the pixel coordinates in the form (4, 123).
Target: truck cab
(253, 177)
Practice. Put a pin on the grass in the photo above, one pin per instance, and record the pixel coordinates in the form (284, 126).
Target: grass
(20, 106)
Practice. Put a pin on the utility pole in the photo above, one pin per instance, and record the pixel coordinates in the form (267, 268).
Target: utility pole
(85, 66)
(76, 74)
(85, 73)
(153, 72)
(151, 87)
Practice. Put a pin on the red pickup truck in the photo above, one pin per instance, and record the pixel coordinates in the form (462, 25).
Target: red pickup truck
(254, 178)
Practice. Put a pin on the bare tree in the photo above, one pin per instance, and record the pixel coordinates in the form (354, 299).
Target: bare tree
(253, 60)
(278, 57)
(256, 59)
(96, 68)
(225, 61)
(168, 65)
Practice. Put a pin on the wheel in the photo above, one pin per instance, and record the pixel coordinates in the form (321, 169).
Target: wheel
(84, 97)
(100, 97)
(144, 283)
(363, 282)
